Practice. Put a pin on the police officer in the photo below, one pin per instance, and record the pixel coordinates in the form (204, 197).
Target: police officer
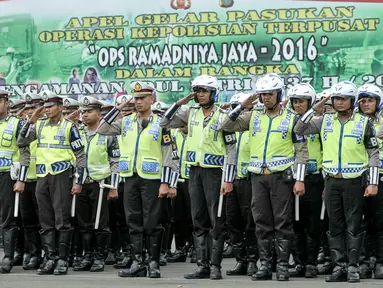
(370, 100)
(182, 223)
(160, 108)
(238, 206)
(120, 238)
(207, 146)
(28, 202)
(147, 166)
(16, 108)
(102, 155)
(274, 148)
(106, 107)
(56, 138)
(308, 229)
(71, 111)
(12, 157)
(350, 151)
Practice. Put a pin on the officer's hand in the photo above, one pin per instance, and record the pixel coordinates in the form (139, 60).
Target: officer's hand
(36, 115)
(172, 192)
(19, 187)
(74, 116)
(371, 190)
(76, 189)
(319, 107)
(226, 188)
(186, 99)
(250, 101)
(224, 106)
(112, 194)
(299, 188)
(21, 112)
(124, 104)
(163, 191)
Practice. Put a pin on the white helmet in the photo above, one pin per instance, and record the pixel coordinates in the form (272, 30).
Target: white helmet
(344, 89)
(302, 91)
(209, 83)
(270, 83)
(371, 90)
(238, 98)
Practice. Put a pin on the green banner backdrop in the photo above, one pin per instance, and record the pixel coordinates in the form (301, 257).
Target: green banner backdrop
(98, 47)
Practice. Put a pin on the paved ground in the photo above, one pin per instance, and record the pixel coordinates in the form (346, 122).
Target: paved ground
(172, 276)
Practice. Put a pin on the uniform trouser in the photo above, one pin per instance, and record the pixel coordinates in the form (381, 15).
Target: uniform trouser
(7, 201)
(143, 208)
(240, 221)
(166, 223)
(204, 189)
(271, 207)
(30, 218)
(344, 202)
(309, 227)
(86, 208)
(54, 201)
(181, 218)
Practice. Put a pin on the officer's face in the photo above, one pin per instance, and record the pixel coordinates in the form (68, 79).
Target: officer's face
(143, 104)
(269, 99)
(300, 105)
(91, 117)
(203, 96)
(53, 111)
(342, 104)
(3, 105)
(368, 105)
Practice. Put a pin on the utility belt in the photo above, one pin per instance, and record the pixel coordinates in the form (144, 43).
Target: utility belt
(4, 173)
(287, 174)
(31, 180)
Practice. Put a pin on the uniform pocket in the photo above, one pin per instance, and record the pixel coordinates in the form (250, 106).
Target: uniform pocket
(6, 140)
(150, 165)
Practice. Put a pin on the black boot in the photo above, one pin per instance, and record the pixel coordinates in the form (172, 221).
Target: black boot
(9, 239)
(364, 269)
(283, 251)
(48, 239)
(216, 257)
(299, 255)
(26, 258)
(354, 245)
(154, 252)
(114, 242)
(266, 258)
(138, 268)
(34, 247)
(87, 260)
(312, 258)
(378, 271)
(178, 256)
(321, 255)
(164, 248)
(99, 257)
(337, 251)
(201, 248)
(65, 240)
(76, 249)
(127, 258)
(19, 247)
(240, 267)
(252, 258)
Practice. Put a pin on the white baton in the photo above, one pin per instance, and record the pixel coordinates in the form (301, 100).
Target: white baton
(16, 209)
(73, 209)
(99, 204)
(322, 211)
(296, 208)
(220, 204)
